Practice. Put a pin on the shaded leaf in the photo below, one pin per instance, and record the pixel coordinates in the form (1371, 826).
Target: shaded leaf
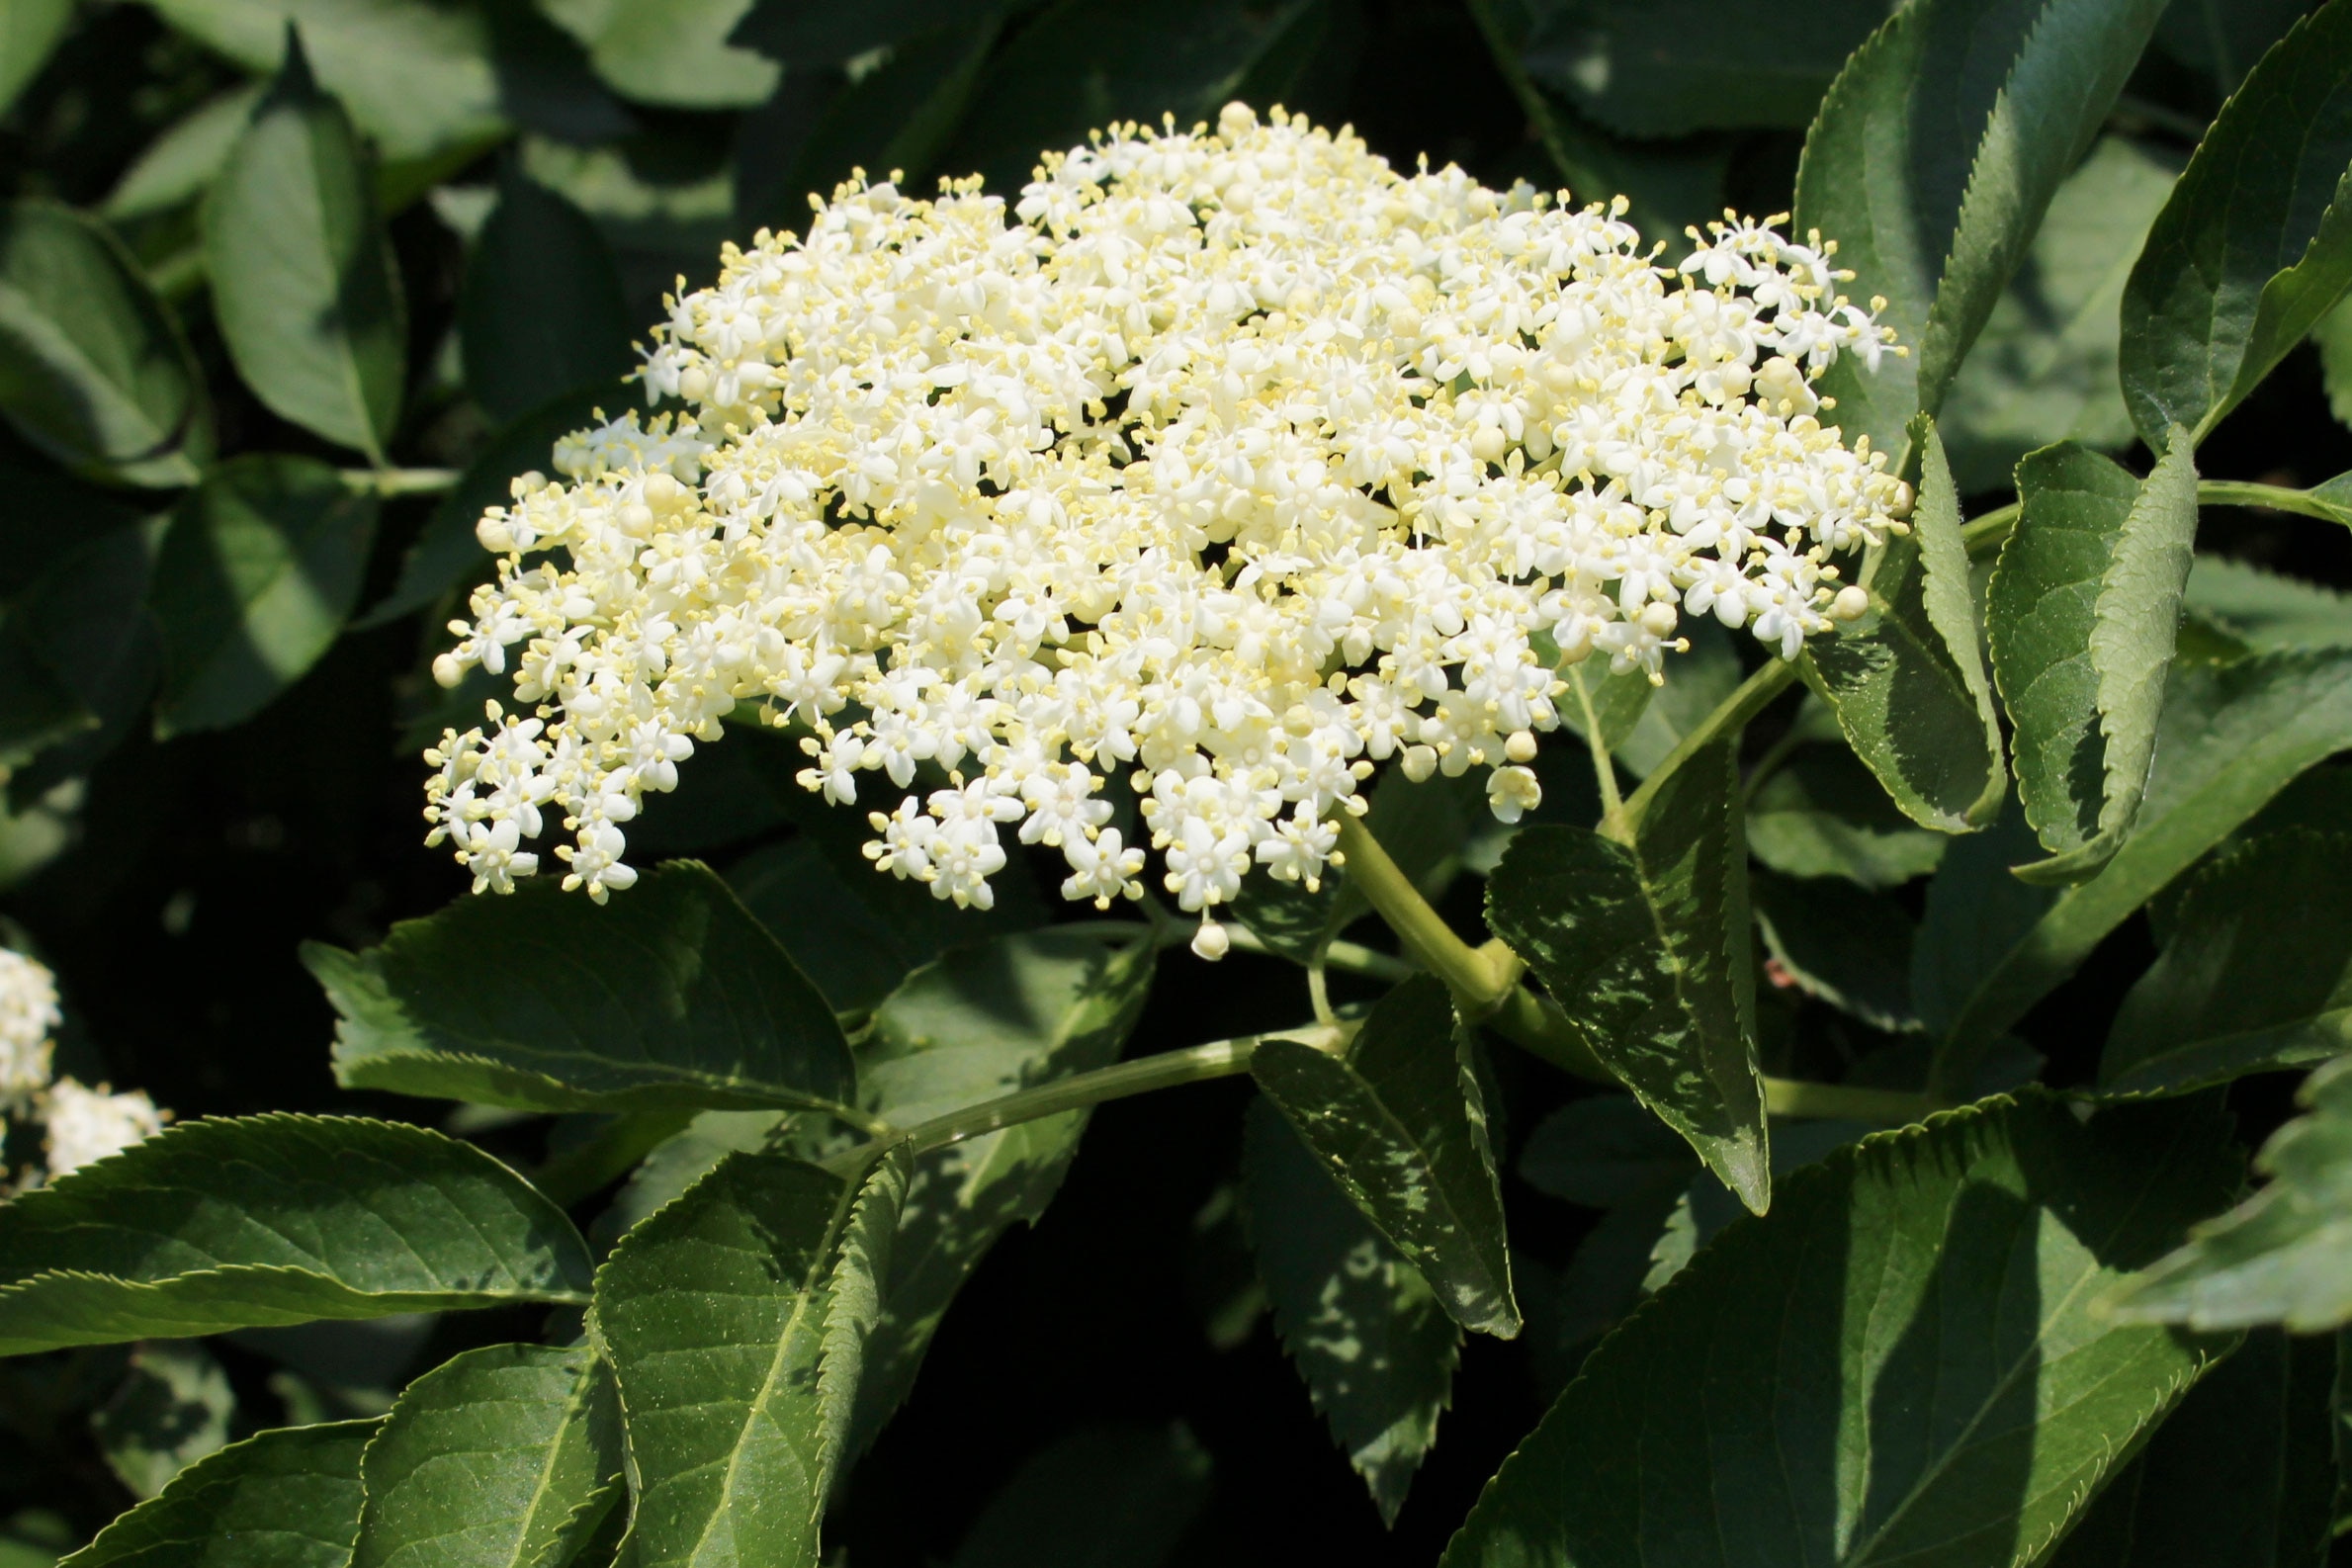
(1822, 814)
(1361, 1325)
(1054, 1509)
(172, 1408)
(1843, 944)
(2222, 38)
(1974, 916)
(290, 1497)
(670, 995)
(733, 1319)
(1645, 948)
(677, 55)
(28, 34)
(2266, 611)
(2256, 243)
(261, 565)
(1901, 1362)
(1400, 1124)
(815, 32)
(305, 288)
(93, 368)
(541, 314)
(2281, 1255)
(1605, 1152)
(274, 1219)
(483, 1462)
(845, 947)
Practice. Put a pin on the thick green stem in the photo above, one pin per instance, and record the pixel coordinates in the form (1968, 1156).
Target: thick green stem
(1349, 958)
(1478, 980)
(388, 482)
(1729, 718)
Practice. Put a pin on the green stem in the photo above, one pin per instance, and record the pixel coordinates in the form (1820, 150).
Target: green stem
(1604, 767)
(1166, 1070)
(1893, 1108)
(1478, 980)
(1984, 535)
(388, 482)
(1729, 718)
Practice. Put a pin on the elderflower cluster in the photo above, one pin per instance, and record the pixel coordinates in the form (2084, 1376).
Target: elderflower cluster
(29, 1016)
(1234, 461)
(82, 1125)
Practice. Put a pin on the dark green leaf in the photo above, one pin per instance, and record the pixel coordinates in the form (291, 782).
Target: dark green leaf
(260, 567)
(1603, 702)
(1702, 679)
(2241, 1473)
(484, 1461)
(2232, 736)
(93, 368)
(2279, 1257)
(1605, 1152)
(1936, 152)
(983, 1021)
(29, 33)
(1401, 1124)
(2045, 366)
(677, 55)
(2332, 336)
(736, 1318)
(1822, 814)
(2256, 243)
(178, 163)
(446, 554)
(1849, 946)
(845, 947)
(816, 33)
(898, 116)
(669, 994)
(1105, 1497)
(1667, 67)
(304, 284)
(1646, 950)
(1703, 1206)
(542, 314)
(2082, 613)
(1976, 915)
(2256, 972)
(2265, 611)
(1423, 826)
(287, 1498)
(1900, 1364)
(172, 1408)
(1908, 683)
(2222, 38)
(274, 1219)
(1361, 1325)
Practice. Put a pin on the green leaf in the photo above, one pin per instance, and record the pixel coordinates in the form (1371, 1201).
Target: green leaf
(541, 314)
(2082, 613)
(2256, 973)
(1702, 679)
(276, 1219)
(261, 565)
(2045, 366)
(678, 55)
(802, 34)
(1936, 152)
(1103, 1497)
(80, 634)
(1822, 814)
(670, 995)
(2222, 38)
(1673, 66)
(983, 1021)
(2279, 1257)
(2256, 243)
(1605, 1152)
(734, 1319)
(305, 288)
(445, 554)
(93, 368)
(1900, 1364)
(2333, 337)
(287, 1497)
(1645, 948)
(2241, 1472)
(2266, 611)
(1361, 1325)
(484, 1461)
(2232, 736)
(28, 34)
(417, 76)
(1974, 917)
(172, 1408)
(1400, 1124)
(1843, 944)
(1908, 683)
(849, 950)
(178, 164)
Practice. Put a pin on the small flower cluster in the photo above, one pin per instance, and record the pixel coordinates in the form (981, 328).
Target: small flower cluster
(1237, 461)
(83, 1124)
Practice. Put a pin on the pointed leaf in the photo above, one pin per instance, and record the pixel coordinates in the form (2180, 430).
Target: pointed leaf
(671, 996)
(2256, 974)
(1843, 944)
(304, 284)
(93, 368)
(1900, 1364)
(261, 565)
(2256, 243)
(1646, 950)
(2281, 1255)
(1054, 1509)
(1909, 685)
(2241, 1473)
(288, 1498)
(1933, 156)
(276, 1219)
(482, 1461)
(680, 54)
(1400, 1123)
(1605, 1152)
(542, 314)
(733, 1320)
(29, 33)
(1361, 1325)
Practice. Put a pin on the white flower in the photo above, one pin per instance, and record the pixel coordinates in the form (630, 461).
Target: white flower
(29, 1014)
(1235, 458)
(85, 1126)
